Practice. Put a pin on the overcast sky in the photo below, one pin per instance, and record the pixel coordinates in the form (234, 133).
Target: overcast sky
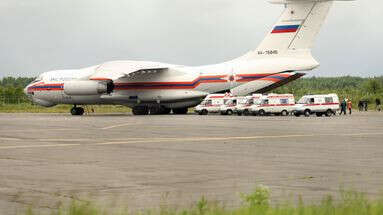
(42, 35)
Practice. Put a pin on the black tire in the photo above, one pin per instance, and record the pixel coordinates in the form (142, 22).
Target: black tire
(239, 113)
(204, 112)
(73, 111)
(167, 110)
(77, 111)
(180, 110)
(319, 114)
(284, 113)
(307, 113)
(297, 114)
(140, 111)
(329, 113)
(246, 112)
(80, 111)
(261, 112)
(229, 112)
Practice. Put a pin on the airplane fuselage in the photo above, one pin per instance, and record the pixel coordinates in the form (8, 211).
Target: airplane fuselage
(178, 86)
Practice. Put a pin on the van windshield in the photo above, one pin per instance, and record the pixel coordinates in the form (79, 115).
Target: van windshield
(229, 102)
(206, 102)
(249, 101)
(303, 100)
(265, 102)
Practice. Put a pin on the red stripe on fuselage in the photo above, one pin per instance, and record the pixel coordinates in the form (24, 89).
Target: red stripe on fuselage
(284, 31)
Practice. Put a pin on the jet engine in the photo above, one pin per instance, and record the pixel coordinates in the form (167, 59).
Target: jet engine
(85, 88)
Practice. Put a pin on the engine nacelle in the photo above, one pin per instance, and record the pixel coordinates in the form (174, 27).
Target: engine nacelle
(85, 88)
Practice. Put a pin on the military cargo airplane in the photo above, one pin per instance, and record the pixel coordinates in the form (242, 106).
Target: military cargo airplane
(158, 88)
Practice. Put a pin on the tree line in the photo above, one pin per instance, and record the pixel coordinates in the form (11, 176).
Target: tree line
(354, 88)
(12, 90)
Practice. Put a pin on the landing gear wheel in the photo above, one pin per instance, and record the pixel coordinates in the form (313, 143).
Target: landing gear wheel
(77, 111)
(180, 110)
(140, 110)
(329, 113)
(284, 113)
(159, 110)
(261, 112)
(307, 113)
(167, 111)
(229, 112)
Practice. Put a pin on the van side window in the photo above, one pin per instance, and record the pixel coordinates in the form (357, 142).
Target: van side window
(311, 101)
(208, 102)
(266, 102)
(284, 101)
(328, 100)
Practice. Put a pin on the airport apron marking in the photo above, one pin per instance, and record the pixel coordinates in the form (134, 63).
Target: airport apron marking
(192, 139)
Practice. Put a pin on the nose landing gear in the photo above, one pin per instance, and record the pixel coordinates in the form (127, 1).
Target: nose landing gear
(77, 111)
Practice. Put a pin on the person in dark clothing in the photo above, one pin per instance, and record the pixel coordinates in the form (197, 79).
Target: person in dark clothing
(377, 102)
(360, 106)
(343, 107)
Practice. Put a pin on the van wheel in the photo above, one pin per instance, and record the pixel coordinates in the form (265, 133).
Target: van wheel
(261, 112)
(307, 113)
(229, 112)
(284, 113)
(203, 112)
(329, 113)
(319, 114)
(297, 114)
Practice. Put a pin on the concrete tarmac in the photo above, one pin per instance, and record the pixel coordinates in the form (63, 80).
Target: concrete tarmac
(148, 161)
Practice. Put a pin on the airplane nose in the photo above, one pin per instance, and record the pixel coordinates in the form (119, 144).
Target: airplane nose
(29, 95)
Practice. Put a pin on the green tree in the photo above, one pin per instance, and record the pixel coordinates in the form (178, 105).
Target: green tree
(372, 86)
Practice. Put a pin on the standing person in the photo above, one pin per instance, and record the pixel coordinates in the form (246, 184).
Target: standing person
(349, 106)
(360, 106)
(377, 101)
(343, 107)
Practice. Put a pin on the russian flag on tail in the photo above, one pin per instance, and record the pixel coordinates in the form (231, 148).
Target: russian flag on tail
(285, 29)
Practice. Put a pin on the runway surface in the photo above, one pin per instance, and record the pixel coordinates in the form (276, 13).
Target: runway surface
(146, 161)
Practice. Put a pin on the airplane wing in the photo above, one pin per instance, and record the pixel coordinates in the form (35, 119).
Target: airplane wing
(120, 69)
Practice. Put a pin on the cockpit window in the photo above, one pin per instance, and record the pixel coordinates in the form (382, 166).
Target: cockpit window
(39, 78)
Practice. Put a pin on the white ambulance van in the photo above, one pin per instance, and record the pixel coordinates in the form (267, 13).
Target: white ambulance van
(278, 104)
(229, 107)
(317, 104)
(212, 103)
(244, 105)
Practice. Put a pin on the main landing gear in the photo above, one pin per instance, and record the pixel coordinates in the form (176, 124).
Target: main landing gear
(77, 111)
(160, 110)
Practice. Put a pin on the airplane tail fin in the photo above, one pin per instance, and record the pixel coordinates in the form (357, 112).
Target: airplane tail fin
(295, 31)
